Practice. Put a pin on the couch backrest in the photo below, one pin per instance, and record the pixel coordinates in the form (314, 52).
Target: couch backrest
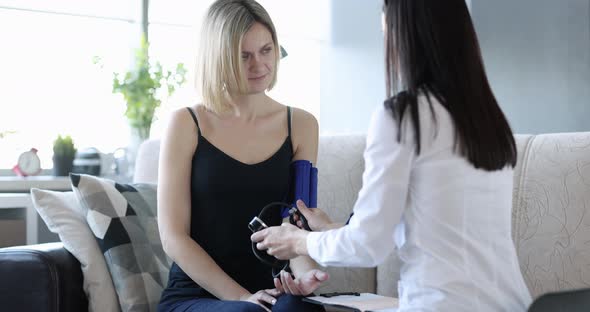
(551, 211)
(551, 208)
(340, 168)
(146, 163)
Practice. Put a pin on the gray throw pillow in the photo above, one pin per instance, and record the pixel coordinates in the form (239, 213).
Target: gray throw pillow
(122, 218)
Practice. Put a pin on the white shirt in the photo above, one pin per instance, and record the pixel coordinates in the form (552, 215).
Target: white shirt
(450, 222)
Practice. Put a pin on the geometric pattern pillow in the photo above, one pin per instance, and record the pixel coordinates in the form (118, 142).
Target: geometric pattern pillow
(123, 220)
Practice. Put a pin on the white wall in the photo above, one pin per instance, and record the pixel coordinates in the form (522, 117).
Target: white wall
(537, 54)
(352, 66)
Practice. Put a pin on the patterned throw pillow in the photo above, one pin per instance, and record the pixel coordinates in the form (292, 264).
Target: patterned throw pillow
(122, 217)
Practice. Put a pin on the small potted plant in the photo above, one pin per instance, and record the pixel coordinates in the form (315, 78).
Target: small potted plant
(63, 155)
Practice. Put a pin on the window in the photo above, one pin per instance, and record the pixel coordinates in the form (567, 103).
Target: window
(49, 82)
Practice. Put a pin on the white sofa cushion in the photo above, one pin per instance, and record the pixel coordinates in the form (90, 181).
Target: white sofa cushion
(64, 216)
(340, 167)
(551, 212)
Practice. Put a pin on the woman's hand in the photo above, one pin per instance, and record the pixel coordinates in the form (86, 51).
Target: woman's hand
(302, 286)
(283, 242)
(317, 219)
(263, 296)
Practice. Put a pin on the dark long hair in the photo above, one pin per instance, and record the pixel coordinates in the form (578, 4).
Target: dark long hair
(431, 48)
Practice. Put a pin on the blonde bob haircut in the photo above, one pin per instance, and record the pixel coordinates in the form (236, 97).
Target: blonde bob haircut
(219, 63)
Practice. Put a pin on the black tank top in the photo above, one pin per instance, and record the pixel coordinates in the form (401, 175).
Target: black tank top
(225, 195)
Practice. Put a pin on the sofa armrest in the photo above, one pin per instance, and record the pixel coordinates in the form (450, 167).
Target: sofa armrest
(43, 277)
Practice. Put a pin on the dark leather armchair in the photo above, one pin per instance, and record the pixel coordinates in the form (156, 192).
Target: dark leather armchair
(42, 277)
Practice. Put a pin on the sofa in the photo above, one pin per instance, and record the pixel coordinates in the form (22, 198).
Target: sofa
(550, 225)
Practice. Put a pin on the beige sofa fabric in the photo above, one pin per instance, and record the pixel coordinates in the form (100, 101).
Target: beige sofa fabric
(340, 168)
(551, 212)
(146, 165)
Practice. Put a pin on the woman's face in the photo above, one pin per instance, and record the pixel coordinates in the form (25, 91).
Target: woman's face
(258, 58)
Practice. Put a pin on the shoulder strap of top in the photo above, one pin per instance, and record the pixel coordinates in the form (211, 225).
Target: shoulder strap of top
(289, 128)
(289, 120)
(195, 119)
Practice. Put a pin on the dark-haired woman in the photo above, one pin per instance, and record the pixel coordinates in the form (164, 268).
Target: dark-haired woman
(438, 174)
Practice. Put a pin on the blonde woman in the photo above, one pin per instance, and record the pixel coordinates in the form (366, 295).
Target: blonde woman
(221, 162)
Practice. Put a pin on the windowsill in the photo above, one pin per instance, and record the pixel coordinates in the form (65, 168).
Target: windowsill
(14, 184)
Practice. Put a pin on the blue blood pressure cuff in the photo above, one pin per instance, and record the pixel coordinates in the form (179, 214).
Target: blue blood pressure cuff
(303, 185)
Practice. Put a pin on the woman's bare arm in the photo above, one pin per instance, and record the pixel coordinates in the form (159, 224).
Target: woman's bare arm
(174, 210)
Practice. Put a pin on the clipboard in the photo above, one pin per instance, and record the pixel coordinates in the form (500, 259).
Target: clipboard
(364, 302)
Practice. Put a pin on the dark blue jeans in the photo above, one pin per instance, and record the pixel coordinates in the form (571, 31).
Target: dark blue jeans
(285, 303)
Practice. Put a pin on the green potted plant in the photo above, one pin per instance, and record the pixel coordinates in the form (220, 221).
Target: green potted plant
(4, 134)
(142, 88)
(64, 152)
